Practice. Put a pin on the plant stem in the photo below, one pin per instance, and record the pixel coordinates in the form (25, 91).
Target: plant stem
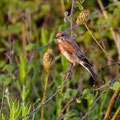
(95, 39)
(116, 113)
(112, 101)
(72, 9)
(46, 82)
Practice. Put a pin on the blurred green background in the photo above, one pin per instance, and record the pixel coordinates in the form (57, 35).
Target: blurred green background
(25, 27)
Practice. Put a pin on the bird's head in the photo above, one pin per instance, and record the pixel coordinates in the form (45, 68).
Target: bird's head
(62, 36)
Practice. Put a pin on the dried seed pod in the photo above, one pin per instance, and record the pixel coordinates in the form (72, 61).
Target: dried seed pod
(83, 17)
(48, 59)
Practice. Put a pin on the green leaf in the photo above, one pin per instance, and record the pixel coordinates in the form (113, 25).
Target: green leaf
(23, 94)
(70, 93)
(22, 69)
(15, 111)
(36, 47)
(86, 94)
(71, 115)
(116, 85)
(2, 117)
(15, 28)
(4, 79)
(25, 109)
(79, 4)
(76, 3)
(44, 36)
(65, 62)
(29, 46)
(45, 8)
(2, 49)
(2, 63)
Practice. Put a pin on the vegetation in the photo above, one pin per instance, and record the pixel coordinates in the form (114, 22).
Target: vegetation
(32, 68)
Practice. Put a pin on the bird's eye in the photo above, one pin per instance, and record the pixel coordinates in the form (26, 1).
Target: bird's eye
(62, 35)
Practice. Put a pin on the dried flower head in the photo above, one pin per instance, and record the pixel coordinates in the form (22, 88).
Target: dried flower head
(48, 59)
(83, 17)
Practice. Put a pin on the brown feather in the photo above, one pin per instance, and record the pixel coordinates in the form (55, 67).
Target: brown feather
(68, 47)
(71, 47)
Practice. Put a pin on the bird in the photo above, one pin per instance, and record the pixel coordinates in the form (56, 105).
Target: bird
(73, 53)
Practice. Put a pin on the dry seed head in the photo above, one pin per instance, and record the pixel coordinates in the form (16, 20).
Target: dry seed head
(48, 59)
(83, 17)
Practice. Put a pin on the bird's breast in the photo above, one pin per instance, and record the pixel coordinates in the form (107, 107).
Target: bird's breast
(60, 47)
(66, 54)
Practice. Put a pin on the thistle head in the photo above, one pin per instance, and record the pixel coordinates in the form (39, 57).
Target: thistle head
(83, 17)
(48, 59)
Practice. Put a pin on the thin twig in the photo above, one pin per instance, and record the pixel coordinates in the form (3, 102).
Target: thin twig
(72, 9)
(109, 85)
(50, 98)
(94, 104)
(105, 86)
(112, 101)
(108, 66)
(99, 97)
(68, 103)
(115, 79)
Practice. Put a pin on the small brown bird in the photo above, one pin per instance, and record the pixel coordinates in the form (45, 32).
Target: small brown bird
(72, 52)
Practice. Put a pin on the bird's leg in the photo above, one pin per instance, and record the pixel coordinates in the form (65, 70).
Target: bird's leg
(70, 67)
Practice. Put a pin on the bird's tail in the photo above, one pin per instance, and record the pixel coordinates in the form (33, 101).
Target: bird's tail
(94, 76)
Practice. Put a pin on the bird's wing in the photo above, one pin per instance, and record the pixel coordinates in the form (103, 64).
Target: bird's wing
(68, 46)
(72, 47)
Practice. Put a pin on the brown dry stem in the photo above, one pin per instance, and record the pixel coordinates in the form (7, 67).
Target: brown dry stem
(112, 101)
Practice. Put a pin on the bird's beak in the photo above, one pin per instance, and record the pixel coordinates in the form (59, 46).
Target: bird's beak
(56, 36)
